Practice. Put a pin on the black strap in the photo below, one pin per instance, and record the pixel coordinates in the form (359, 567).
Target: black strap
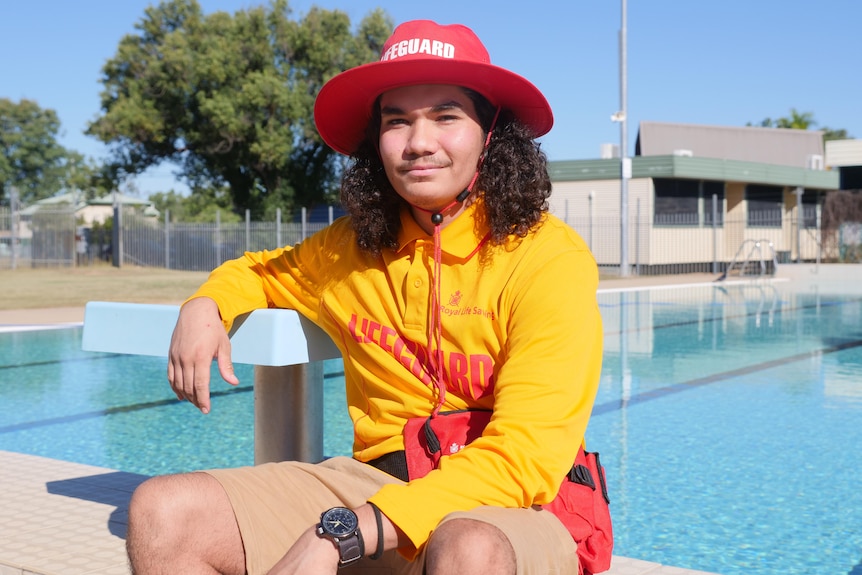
(395, 464)
(379, 519)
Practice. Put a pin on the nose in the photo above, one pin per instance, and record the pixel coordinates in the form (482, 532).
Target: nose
(421, 140)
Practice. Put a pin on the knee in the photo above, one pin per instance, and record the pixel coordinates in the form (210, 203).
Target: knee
(469, 546)
(160, 504)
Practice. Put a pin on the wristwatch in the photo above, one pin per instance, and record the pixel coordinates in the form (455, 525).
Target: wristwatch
(341, 525)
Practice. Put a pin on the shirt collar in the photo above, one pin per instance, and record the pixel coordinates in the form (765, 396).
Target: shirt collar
(460, 238)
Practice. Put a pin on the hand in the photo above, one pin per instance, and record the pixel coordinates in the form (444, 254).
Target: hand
(198, 338)
(310, 555)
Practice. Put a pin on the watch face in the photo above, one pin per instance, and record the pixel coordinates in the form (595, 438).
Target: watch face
(339, 521)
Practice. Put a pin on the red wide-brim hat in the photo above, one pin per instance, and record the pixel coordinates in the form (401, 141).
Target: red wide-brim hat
(423, 52)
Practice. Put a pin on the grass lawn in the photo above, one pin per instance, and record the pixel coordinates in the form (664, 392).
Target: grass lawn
(28, 288)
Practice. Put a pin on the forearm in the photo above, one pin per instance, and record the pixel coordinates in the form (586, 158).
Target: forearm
(393, 537)
(312, 554)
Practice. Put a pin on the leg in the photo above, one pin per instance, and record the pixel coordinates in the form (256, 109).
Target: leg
(495, 540)
(467, 546)
(183, 524)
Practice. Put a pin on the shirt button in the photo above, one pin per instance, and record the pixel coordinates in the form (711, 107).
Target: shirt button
(417, 283)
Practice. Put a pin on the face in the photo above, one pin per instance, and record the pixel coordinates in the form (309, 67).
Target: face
(430, 144)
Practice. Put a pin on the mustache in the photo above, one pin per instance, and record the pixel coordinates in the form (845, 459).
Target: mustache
(423, 163)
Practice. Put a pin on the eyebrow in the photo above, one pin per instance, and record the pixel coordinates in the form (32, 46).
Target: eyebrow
(396, 111)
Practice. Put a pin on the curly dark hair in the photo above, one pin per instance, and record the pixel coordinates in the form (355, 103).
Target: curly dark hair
(513, 184)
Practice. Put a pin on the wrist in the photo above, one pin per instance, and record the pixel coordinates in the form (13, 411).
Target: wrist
(341, 526)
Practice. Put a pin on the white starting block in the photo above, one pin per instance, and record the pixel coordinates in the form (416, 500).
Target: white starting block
(287, 352)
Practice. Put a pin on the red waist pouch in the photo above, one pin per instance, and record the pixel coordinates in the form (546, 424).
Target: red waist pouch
(582, 503)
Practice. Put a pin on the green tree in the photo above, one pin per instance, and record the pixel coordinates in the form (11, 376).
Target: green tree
(229, 98)
(93, 179)
(801, 121)
(31, 160)
(199, 206)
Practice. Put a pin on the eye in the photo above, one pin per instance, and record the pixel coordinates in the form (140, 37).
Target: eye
(394, 122)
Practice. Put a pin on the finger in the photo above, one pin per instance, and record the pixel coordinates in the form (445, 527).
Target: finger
(173, 375)
(201, 388)
(225, 365)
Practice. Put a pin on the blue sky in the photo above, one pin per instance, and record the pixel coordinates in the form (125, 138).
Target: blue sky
(725, 62)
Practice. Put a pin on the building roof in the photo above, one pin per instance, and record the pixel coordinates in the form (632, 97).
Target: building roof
(122, 199)
(697, 168)
(776, 146)
(69, 199)
(77, 200)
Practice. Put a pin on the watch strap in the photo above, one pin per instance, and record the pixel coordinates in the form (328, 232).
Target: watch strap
(350, 548)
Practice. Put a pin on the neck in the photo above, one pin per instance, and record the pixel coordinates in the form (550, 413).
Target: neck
(442, 217)
(423, 218)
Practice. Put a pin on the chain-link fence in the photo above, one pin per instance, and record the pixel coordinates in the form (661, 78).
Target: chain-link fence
(669, 246)
(43, 238)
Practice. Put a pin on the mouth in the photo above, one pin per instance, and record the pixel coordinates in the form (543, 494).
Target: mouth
(419, 170)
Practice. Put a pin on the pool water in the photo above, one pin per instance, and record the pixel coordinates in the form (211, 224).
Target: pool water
(729, 419)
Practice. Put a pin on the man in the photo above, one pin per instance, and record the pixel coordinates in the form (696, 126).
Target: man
(448, 287)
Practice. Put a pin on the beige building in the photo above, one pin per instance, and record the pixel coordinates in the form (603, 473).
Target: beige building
(700, 197)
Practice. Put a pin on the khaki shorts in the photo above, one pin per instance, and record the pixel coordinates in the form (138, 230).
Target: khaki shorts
(275, 503)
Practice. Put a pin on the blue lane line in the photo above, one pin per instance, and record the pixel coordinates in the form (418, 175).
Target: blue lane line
(737, 316)
(56, 361)
(126, 408)
(110, 411)
(660, 392)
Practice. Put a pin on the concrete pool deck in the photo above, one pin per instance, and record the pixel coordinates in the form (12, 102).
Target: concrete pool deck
(63, 518)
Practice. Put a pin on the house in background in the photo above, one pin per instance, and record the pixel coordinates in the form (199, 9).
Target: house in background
(90, 211)
(58, 230)
(845, 156)
(699, 196)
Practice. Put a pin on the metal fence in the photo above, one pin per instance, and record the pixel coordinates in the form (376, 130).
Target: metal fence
(202, 246)
(667, 245)
(41, 239)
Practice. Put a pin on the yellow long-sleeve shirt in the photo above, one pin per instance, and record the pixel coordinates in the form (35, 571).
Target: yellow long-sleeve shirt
(521, 335)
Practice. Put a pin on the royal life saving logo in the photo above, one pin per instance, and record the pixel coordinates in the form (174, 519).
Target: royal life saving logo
(454, 308)
(419, 46)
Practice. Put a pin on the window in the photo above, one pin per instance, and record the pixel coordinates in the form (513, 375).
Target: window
(681, 202)
(764, 205)
(810, 199)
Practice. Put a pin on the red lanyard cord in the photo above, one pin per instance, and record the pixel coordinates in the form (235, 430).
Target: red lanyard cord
(435, 325)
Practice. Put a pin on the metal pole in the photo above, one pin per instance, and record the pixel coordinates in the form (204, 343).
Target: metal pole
(715, 233)
(117, 232)
(819, 240)
(799, 191)
(278, 227)
(167, 239)
(218, 238)
(638, 236)
(248, 230)
(625, 161)
(16, 218)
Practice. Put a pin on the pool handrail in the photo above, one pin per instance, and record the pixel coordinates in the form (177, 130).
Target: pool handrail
(286, 349)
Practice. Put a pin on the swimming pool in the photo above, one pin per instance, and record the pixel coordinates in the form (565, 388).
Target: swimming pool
(728, 419)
